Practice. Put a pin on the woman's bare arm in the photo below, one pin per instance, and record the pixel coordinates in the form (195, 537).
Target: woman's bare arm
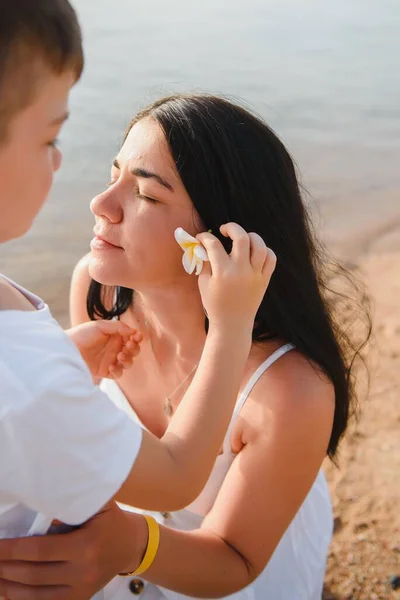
(286, 427)
(289, 421)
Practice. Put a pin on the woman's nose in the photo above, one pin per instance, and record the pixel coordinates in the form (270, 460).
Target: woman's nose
(106, 205)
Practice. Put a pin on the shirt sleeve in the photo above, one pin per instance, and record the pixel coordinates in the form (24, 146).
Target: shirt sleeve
(65, 449)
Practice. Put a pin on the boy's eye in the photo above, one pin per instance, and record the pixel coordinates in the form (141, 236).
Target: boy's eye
(54, 143)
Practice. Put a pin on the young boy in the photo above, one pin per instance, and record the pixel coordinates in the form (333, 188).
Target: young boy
(65, 450)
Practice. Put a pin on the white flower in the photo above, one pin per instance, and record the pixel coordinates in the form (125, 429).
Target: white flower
(194, 254)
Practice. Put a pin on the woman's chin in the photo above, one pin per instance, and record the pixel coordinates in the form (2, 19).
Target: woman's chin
(102, 271)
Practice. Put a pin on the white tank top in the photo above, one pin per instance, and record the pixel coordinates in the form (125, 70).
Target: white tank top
(297, 567)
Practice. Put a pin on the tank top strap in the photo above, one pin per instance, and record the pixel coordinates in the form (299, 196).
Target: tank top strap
(249, 386)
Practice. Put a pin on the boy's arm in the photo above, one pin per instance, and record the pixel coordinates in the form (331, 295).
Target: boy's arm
(69, 449)
(169, 473)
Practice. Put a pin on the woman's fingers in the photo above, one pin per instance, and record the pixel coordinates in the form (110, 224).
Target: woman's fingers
(39, 549)
(36, 574)
(16, 591)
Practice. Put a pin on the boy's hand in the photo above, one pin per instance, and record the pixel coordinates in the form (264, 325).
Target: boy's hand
(107, 347)
(233, 286)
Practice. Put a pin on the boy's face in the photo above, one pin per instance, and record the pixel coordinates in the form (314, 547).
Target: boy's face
(29, 156)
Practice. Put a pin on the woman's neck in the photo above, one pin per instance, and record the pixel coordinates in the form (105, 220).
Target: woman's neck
(174, 322)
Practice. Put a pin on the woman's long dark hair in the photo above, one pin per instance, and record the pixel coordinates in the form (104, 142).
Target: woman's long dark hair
(234, 168)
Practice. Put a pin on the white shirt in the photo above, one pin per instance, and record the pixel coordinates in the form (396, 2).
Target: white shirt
(296, 568)
(65, 449)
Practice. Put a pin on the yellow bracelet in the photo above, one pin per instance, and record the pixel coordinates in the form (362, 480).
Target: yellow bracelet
(152, 546)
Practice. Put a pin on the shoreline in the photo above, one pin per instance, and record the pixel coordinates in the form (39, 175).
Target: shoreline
(44, 259)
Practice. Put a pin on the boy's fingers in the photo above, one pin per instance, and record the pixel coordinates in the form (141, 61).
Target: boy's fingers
(137, 336)
(135, 339)
(215, 250)
(115, 371)
(258, 251)
(206, 270)
(115, 327)
(125, 358)
(241, 241)
(125, 362)
(269, 264)
(131, 348)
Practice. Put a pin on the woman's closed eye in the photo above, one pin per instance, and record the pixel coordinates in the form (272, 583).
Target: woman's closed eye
(137, 192)
(145, 198)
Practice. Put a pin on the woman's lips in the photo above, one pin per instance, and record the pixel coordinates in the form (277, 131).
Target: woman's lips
(99, 243)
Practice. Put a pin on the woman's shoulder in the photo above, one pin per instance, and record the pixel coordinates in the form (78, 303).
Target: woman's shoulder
(80, 283)
(292, 393)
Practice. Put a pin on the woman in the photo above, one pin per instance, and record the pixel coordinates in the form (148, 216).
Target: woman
(262, 525)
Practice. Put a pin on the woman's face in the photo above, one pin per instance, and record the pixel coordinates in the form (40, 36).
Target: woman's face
(137, 214)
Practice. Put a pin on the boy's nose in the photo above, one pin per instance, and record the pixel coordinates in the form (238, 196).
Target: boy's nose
(57, 159)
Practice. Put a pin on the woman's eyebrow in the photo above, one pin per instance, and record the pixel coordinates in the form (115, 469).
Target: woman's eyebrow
(149, 175)
(146, 175)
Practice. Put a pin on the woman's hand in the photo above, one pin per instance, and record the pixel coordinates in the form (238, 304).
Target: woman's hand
(74, 565)
(107, 347)
(232, 286)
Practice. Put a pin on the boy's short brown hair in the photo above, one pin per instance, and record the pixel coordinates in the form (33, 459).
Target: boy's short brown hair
(34, 34)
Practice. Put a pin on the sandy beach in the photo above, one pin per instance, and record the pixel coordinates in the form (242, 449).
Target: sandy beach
(365, 552)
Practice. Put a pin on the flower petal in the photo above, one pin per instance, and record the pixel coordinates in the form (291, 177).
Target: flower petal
(199, 266)
(187, 261)
(200, 252)
(183, 238)
(194, 263)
